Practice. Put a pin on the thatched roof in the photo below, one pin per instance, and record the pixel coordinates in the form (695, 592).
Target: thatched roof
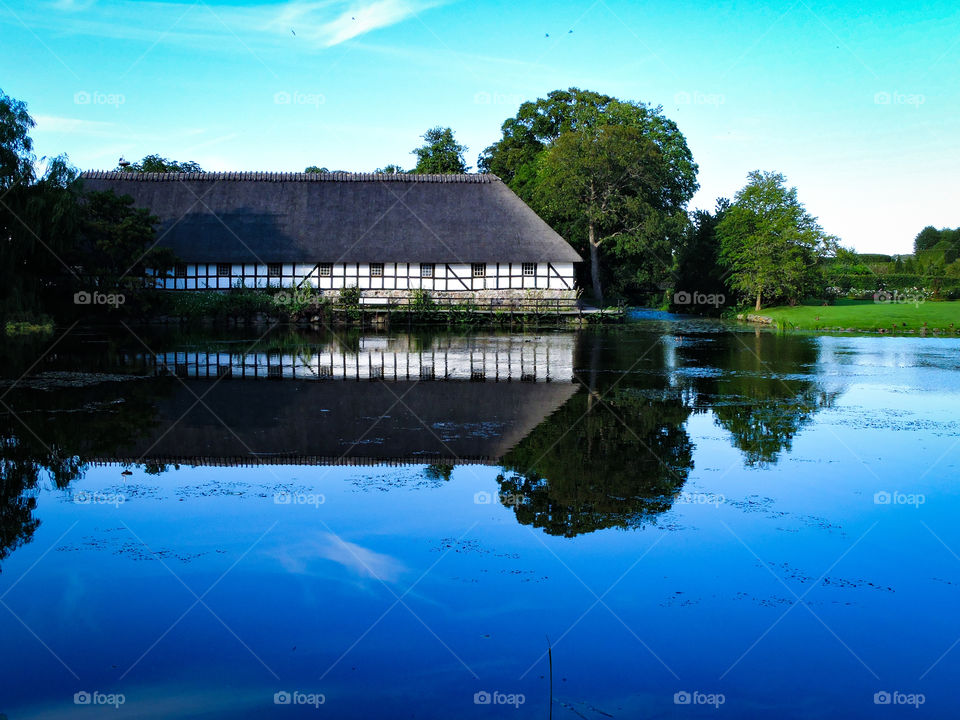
(338, 217)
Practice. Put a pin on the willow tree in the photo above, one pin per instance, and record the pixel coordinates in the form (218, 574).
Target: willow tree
(769, 242)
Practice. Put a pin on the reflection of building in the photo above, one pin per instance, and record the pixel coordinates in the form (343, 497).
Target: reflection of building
(548, 358)
(484, 396)
(381, 233)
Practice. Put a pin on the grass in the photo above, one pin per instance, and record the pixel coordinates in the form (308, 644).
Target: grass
(865, 315)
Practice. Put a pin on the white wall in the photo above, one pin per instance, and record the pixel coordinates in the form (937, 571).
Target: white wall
(396, 276)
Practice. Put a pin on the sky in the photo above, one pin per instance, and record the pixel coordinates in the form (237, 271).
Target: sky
(857, 104)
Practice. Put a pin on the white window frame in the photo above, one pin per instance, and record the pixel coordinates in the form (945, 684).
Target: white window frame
(274, 266)
(376, 269)
(529, 269)
(427, 270)
(221, 266)
(478, 270)
(325, 269)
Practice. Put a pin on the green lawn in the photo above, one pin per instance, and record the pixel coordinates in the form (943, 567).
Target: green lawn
(867, 315)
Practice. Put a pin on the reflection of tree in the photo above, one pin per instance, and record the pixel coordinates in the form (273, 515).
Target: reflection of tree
(52, 435)
(764, 395)
(588, 467)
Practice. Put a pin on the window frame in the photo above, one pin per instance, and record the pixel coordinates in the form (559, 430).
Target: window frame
(325, 269)
(532, 267)
(220, 268)
(274, 270)
(428, 270)
(376, 269)
(478, 270)
(180, 271)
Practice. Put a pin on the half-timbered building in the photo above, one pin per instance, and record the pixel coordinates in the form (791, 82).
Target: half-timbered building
(386, 234)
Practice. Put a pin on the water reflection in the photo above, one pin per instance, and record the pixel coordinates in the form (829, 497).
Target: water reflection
(589, 428)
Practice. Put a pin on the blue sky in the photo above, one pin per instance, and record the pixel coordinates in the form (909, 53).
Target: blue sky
(858, 104)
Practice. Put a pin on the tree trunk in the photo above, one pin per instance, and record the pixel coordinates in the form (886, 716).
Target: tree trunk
(595, 265)
(759, 293)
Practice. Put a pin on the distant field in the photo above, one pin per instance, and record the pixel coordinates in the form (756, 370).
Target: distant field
(867, 315)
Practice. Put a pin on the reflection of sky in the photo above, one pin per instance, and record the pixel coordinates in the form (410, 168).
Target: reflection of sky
(309, 592)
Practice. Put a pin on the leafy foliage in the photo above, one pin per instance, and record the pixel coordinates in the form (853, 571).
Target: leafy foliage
(158, 164)
(770, 243)
(440, 154)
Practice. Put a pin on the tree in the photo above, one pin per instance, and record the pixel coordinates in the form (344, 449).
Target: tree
(115, 241)
(605, 182)
(697, 268)
(926, 239)
(641, 262)
(155, 163)
(390, 170)
(315, 169)
(770, 243)
(440, 154)
(16, 145)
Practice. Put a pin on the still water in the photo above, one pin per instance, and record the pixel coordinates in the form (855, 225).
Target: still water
(670, 519)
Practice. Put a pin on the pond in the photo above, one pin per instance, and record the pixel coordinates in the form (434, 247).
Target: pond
(673, 518)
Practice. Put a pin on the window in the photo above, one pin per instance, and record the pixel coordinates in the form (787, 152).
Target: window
(326, 269)
(223, 270)
(529, 269)
(180, 270)
(274, 270)
(426, 270)
(479, 270)
(376, 269)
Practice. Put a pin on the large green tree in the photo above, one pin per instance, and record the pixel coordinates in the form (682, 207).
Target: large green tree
(520, 157)
(769, 242)
(440, 153)
(698, 272)
(606, 182)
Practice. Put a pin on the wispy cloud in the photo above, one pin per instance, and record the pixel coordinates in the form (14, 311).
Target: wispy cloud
(319, 23)
(76, 126)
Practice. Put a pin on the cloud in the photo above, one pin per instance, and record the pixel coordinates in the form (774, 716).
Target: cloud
(321, 23)
(53, 123)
